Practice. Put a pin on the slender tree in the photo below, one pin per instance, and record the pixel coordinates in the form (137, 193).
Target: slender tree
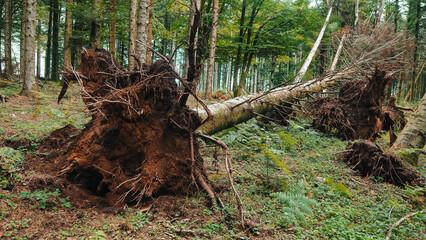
(132, 32)
(49, 42)
(95, 26)
(213, 37)
(68, 34)
(149, 37)
(55, 40)
(142, 30)
(8, 37)
(28, 65)
(240, 41)
(112, 25)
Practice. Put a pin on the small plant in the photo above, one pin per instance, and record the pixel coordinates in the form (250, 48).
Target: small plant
(294, 207)
(339, 187)
(41, 198)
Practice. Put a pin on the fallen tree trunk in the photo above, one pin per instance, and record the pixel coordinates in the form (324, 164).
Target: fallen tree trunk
(414, 133)
(229, 113)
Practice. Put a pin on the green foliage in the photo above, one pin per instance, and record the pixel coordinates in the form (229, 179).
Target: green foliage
(339, 187)
(409, 155)
(43, 198)
(10, 163)
(294, 207)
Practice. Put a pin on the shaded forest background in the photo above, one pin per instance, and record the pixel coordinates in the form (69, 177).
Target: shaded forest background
(260, 44)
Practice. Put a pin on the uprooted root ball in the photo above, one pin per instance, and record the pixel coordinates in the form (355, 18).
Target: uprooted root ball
(356, 113)
(139, 142)
(370, 160)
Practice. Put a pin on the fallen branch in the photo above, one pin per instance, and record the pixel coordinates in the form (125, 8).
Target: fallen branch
(229, 171)
(400, 221)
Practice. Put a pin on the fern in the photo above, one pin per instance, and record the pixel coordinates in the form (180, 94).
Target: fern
(294, 207)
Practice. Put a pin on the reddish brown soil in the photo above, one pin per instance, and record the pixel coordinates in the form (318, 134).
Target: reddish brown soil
(356, 113)
(139, 142)
(371, 160)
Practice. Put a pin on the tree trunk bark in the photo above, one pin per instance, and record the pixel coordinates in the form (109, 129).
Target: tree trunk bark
(112, 27)
(132, 32)
(229, 113)
(28, 65)
(49, 42)
(379, 13)
(55, 40)
(1, 21)
(142, 30)
(149, 37)
(8, 38)
(240, 41)
(68, 34)
(212, 52)
(95, 28)
(356, 14)
(308, 60)
(414, 133)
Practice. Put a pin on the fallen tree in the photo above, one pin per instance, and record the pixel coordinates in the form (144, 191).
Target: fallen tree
(414, 133)
(237, 110)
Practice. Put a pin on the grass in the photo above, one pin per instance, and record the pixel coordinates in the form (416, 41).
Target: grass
(290, 180)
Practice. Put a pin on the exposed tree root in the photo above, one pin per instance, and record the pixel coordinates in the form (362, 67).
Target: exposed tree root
(140, 140)
(371, 160)
(356, 113)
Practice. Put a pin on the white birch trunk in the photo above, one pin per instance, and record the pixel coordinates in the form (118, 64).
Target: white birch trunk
(255, 76)
(339, 51)
(379, 13)
(356, 13)
(311, 55)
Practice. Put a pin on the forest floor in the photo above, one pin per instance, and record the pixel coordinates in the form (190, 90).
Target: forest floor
(289, 178)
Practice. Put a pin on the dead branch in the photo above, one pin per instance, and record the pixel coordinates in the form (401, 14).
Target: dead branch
(388, 235)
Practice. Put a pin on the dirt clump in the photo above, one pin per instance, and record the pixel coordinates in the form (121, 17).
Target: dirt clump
(370, 160)
(357, 111)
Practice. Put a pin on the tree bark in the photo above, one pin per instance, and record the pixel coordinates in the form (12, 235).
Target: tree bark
(414, 133)
(356, 14)
(112, 27)
(55, 40)
(229, 113)
(149, 37)
(240, 41)
(95, 28)
(8, 38)
(132, 32)
(212, 52)
(308, 60)
(379, 13)
(1, 21)
(142, 30)
(28, 65)
(68, 34)
(49, 42)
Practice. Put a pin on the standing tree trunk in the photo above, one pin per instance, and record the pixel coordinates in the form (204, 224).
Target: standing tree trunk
(149, 37)
(379, 13)
(308, 60)
(28, 65)
(414, 133)
(1, 21)
(55, 40)
(240, 41)
(38, 59)
(213, 38)
(8, 38)
(112, 27)
(356, 14)
(49, 42)
(142, 30)
(68, 34)
(132, 32)
(95, 28)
